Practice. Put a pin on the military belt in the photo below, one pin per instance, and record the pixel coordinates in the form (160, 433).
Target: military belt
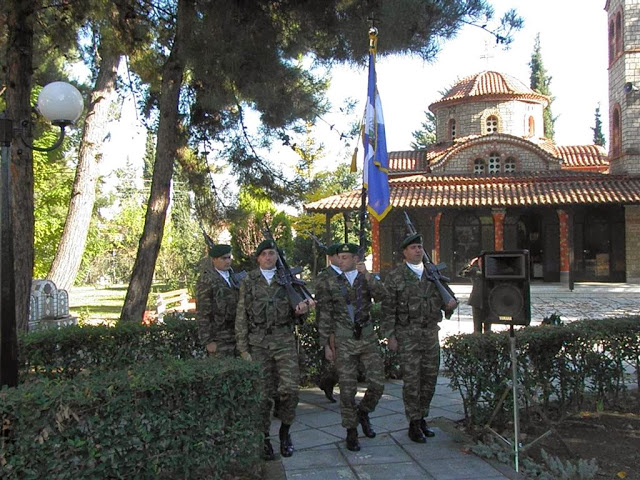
(279, 329)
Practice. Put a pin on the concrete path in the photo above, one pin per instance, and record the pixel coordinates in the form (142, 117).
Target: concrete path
(319, 437)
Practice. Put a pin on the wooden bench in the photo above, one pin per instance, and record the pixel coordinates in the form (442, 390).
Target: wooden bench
(173, 301)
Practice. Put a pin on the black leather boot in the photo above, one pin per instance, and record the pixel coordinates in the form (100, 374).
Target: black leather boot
(425, 429)
(267, 450)
(326, 386)
(352, 440)
(286, 446)
(365, 423)
(415, 433)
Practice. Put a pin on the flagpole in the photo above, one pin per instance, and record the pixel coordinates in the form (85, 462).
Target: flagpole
(373, 43)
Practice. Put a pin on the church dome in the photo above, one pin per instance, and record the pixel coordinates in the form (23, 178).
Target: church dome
(489, 86)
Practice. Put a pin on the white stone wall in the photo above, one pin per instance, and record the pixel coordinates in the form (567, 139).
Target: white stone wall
(471, 118)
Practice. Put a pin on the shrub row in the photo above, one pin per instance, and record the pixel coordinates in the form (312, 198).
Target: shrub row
(557, 365)
(64, 352)
(194, 418)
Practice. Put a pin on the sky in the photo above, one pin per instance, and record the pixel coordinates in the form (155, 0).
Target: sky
(573, 38)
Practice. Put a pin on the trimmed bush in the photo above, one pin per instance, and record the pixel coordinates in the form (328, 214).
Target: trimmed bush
(556, 365)
(195, 418)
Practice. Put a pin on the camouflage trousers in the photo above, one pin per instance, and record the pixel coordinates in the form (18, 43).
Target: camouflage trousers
(278, 359)
(225, 348)
(419, 351)
(350, 352)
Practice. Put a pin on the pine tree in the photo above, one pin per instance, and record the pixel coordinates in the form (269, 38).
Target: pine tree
(540, 83)
(598, 136)
(427, 135)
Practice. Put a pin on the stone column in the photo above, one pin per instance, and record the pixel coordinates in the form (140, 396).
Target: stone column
(498, 227)
(435, 254)
(565, 246)
(632, 242)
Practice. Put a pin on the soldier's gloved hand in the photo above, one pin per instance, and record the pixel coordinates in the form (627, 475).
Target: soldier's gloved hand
(392, 344)
(246, 356)
(212, 347)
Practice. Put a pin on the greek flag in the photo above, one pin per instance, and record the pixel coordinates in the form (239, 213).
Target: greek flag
(376, 160)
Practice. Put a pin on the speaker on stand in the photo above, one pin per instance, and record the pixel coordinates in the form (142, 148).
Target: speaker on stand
(507, 300)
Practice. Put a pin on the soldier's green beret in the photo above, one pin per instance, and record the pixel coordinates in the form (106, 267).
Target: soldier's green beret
(264, 245)
(348, 248)
(411, 239)
(219, 250)
(333, 248)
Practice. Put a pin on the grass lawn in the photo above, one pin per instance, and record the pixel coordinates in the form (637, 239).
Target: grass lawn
(95, 305)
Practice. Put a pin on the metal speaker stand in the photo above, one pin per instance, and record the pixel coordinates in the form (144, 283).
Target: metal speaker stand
(517, 446)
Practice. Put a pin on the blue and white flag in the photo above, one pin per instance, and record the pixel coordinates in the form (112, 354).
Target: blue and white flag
(376, 160)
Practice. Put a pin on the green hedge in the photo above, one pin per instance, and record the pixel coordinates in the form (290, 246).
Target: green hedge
(195, 418)
(557, 365)
(64, 352)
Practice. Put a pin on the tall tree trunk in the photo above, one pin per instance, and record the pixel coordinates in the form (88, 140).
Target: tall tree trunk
(169, 133)
(20, 25)
(66, 263)
(17, 190)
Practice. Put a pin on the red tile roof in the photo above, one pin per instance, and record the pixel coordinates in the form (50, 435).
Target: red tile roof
(491, 86)
(534, 189)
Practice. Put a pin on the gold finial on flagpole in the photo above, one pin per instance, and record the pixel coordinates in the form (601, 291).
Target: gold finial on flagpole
(373, 39)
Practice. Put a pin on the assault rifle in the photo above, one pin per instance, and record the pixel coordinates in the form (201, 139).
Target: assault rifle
(434, 274)
(234, 278)
(285, 276)
(317, 241)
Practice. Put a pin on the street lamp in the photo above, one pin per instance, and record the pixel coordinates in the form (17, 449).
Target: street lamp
(61, 104)
(348, 225)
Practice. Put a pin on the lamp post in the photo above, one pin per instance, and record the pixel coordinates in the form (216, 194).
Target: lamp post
(348, 225)
(60, 103)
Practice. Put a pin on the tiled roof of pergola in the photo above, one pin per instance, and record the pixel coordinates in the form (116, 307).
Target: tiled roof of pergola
(544, 188)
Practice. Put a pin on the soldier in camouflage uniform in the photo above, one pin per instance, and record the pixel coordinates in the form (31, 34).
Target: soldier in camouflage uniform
(216, 300)
(265, 324)
(329, 375)
(413, 307)
(344, 304)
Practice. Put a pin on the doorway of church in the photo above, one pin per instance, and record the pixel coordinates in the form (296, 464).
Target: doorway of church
(529, 237)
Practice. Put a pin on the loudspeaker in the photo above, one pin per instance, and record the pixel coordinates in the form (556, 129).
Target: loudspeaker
(505, 288)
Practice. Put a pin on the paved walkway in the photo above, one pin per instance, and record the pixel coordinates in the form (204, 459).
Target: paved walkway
(319, 437)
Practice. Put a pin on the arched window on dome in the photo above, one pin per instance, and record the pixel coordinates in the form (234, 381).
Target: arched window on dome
(494, 163)
(491, 124)
(479, 166)
(510, 165)
(531, 127)
(616, 132)
(452, 129)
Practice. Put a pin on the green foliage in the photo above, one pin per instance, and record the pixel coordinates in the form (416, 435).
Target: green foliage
(168, 418)
(598, 135)
(556, 365)
(66, 352)
(580, 470)
(427, 135)
(553, 319)
(540, 82)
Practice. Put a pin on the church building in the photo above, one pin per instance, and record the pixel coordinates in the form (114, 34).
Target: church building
(493, 181)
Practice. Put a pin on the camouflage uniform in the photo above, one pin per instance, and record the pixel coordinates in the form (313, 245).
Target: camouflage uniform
(413, 308)
(216, 310)
(333, 318)
(328, 376)
(264, 328)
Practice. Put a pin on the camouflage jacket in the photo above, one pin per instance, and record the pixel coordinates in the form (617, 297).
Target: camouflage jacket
(410, 301)
(215, 305)
(263, 309)
(332, 292)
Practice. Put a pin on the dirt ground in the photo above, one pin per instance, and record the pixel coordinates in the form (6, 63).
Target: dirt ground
(611, 437)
